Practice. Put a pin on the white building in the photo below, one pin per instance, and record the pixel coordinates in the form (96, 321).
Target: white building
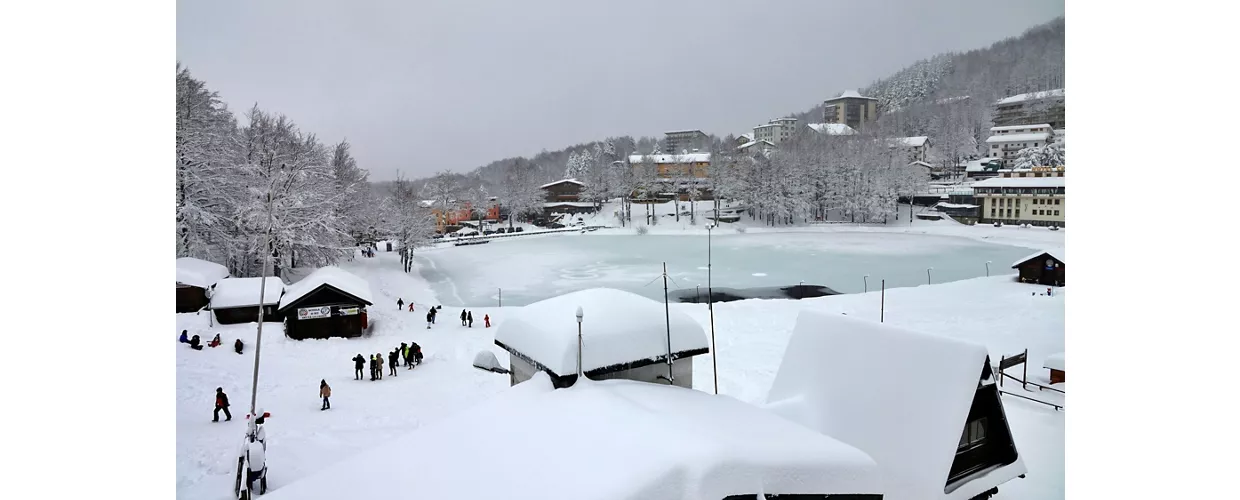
(1006, 142)
(776, 131)
(917, 148)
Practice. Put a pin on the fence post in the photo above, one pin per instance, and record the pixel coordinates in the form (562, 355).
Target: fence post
(501, 297)
(1024, 376)
(882, 304)
(1001, 358)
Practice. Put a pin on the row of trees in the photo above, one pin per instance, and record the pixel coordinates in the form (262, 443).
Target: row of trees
(265, 186)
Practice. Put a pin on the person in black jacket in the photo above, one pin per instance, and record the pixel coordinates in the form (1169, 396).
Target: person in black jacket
(221, 403)
(462, 317)
(416, 351)
(358, 363)
(374, 371)
(392, 358)
(238, 346)
(469, 316)
(195, 343)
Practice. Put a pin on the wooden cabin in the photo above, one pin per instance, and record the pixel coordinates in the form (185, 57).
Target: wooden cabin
(926, 408)
(330, 302)
(1043, 268)
(625, 336)
(1055, 363)
(194, 279)
(236, 300)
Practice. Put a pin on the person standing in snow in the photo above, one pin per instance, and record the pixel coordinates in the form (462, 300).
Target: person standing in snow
(404, 353)
(411, 307)
(325, 391)
(392, 357)
(430, 318)
(221, 403)
(238, 346)
(379, 364)
(416, 351)
(487, 319)
(470, 317)
(358, 362)
(434, 312)
(372, 368)
(462, 317)
(400, 304)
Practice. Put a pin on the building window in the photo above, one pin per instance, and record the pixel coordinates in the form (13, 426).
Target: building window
(1056, 202)
(1009, 213)
(974, 435)
(1056, 213)
(1018, 213)
(992, 212)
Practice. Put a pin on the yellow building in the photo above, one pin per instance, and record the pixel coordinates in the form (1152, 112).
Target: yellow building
(1033, 197)
(850, 108)
(695, 165)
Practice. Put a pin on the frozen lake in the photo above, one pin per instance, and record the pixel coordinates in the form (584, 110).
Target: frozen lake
(531, 268)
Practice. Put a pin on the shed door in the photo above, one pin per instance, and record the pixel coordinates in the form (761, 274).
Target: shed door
(1048, 272)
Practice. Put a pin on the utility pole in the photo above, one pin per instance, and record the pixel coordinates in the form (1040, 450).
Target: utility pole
(667, 314)
(710, 305)
(258, 341)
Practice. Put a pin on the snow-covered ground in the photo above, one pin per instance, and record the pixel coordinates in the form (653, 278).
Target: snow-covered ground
(751, 336)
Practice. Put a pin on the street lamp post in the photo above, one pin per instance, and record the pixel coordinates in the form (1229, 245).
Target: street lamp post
(988, 269)
(866, 281)
(710, 305)
(928, 269)
(579, 343)
(262, 284)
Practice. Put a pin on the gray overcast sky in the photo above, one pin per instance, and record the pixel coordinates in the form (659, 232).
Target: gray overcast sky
(424, 85)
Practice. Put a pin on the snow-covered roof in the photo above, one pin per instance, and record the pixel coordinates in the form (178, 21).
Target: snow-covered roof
(604, 440)
(900, 396)
(851, 93)
(963, 206)
(694, 131)
(920, 163)
(913, 142)
(426, 203)
(1025, 137)
(1020, 182)
(1020, 127)
(199, 273)
(579, 204)
(619, 327)
(332, 276)
(1054, 362)
(1031, 95)
(562, 181)
(832, 128)
(662, 158)
(751, 144)
(747, 136)
(243, 292)
(1057, 255)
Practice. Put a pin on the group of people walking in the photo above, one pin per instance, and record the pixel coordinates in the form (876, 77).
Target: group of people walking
(467, 317)
(408, 354)
(196, 344)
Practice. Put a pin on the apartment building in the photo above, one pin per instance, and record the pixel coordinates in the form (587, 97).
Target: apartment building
(776, 131)
(850, 108)
(916, 148)
(1005, 142)
(1034, 107)
(1034, 197)
(685, 141)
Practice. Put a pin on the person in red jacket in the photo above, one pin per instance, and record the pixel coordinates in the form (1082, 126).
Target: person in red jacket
(487, 319)
(221, 403)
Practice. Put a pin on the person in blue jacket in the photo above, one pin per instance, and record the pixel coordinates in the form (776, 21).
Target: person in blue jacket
(184, 337)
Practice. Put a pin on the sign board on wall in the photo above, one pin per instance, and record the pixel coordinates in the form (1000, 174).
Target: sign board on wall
(314, 312)
(347, 311)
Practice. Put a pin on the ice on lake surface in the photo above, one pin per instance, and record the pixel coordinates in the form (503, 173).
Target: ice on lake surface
(532, 268)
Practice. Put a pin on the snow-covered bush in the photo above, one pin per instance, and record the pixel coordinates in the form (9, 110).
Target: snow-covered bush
(740, 229)
(643, 229)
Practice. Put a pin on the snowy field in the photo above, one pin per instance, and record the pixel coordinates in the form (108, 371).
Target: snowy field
(532, 268)
(1005, 316)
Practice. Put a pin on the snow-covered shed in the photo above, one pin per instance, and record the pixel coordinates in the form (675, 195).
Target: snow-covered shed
(604, 440)
(1055, 363)
(194, 278)
(924, 407)
(624, 335)
(236, 300)
(1042, 267)
(330, 302)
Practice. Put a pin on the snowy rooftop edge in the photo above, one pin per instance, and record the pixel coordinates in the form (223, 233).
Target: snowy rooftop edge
(244, 292)
(200, 273)
(336, 277)
(1029, 182)
(1024, 137)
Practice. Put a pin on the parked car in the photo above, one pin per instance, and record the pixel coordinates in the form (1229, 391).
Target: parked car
(520, 229)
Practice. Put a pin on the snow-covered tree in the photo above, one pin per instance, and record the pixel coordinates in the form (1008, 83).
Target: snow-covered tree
(207, 178)
(442, 191)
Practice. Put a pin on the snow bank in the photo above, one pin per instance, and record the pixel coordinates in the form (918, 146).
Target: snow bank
(243, 292)
(618, 327)
(1054, 362)
(334, 276)
(601, 440)
(199, 273)
(486, 360)
(901, 397)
